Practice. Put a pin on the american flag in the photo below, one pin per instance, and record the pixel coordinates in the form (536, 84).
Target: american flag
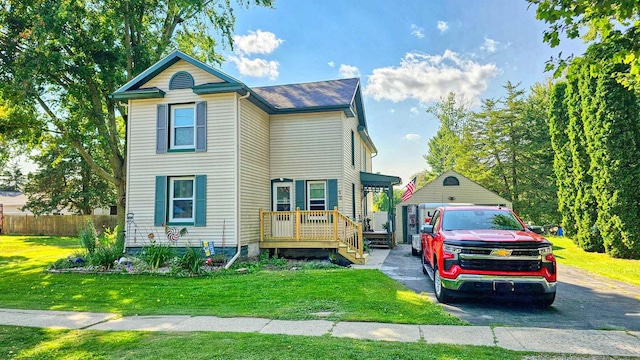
(410, 187)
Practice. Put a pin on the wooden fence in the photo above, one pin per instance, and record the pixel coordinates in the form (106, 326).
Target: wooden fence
(53, 225)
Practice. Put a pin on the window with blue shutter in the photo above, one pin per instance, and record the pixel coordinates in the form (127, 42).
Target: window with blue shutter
(300, 195)
(160, 210)
(201, 126)
(201, 200)
(162, 121)
(353, 149)
(181, 200)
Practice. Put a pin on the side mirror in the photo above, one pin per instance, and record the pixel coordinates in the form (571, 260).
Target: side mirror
(536, 229)
(427, 229)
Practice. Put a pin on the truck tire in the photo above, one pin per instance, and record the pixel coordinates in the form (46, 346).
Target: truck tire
(443, 295)
(546, 301)
(414, 252)
(423, 264)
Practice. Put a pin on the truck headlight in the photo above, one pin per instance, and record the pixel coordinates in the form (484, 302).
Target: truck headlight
(547, 250)
(451, 249)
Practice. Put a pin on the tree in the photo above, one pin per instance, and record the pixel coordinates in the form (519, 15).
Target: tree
(611, 22)
(65, 181)
(562, 161)
(12, 178)
(612, 130)
(453, 115)
(62, 59)
(381, 200)
(584, 206)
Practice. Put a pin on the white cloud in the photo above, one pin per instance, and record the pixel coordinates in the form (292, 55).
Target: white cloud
(417, 31)
(331, 63)
(256, 42)
(443, 26)
(427, 78)
(490, 45)
(392, 111)
(412, 137)
(256, 67)
(349, 71)
(414, 111)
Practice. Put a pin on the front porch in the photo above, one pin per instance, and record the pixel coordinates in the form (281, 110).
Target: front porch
(313, 229)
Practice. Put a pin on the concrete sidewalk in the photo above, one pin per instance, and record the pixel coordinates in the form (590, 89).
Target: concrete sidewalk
(584, 342)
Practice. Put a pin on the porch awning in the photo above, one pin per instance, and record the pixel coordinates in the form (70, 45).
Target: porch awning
(372, 182)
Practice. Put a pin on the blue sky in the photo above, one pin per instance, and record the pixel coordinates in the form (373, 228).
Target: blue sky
(407, 53)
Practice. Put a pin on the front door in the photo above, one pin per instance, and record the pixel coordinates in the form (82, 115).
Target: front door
(282, 199)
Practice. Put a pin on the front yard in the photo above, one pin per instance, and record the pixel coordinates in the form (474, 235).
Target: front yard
(346, 294)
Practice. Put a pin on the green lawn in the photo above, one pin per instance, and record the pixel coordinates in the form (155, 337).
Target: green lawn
(349, 294)
(32, 343)
(568, 253)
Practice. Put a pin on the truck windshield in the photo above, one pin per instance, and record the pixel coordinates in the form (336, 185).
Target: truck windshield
(480, 220)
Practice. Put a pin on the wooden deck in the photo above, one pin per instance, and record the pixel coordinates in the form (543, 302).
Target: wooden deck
(310, 229)
(379, 239)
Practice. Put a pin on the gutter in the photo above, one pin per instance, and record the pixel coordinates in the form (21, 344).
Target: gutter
(237, 255)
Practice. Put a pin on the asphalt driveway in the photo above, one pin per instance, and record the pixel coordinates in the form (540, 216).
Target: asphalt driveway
(584, 300)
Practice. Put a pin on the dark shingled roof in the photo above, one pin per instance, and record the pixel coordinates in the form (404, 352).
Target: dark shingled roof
(314, 94)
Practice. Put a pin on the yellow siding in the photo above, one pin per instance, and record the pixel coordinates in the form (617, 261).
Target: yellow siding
(468, 192)
(351, 172)
(306, 146)
(218, 163)
(255, 185)
(200, 76)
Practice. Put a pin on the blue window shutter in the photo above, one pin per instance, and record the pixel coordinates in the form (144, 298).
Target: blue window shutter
(332, 189)
(201, 126)
(160, 211)
(301, 191)
(162, 128)
(353, 149)
(201, 200)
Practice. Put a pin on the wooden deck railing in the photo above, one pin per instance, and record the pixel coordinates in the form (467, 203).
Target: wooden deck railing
(311, 225)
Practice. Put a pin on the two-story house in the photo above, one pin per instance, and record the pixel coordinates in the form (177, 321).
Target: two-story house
(244, 168)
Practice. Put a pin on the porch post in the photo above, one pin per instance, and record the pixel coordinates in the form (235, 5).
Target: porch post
(335, 223)
(297, 224)
(261, 225)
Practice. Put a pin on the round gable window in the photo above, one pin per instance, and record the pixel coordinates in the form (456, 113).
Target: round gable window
(451, 181)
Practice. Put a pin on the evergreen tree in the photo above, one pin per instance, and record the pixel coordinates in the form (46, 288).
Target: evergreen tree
(584, 206)
(613, 133)
(562, 161)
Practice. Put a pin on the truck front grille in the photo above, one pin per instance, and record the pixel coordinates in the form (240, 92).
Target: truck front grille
(501, 265)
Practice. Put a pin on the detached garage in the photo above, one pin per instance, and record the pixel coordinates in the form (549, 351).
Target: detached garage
(448, 188)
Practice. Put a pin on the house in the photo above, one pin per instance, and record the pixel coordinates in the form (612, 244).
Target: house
(450, 187)
(12, 203)
(245, 169)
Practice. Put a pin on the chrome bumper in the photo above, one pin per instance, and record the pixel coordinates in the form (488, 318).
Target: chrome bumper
(455, 284)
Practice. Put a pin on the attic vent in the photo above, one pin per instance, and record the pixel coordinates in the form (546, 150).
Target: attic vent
(181, 80)
(451, 181)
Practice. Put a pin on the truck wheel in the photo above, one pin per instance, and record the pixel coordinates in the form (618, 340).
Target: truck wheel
(414, 252)
(443, 295)
(424, 265)
(546, 300)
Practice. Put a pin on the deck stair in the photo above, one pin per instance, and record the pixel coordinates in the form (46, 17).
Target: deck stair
(313, 229)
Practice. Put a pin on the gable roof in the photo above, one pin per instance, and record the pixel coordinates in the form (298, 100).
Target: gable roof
(333, 95)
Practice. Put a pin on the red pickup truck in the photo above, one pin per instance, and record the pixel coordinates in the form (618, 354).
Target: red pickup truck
(486, 250)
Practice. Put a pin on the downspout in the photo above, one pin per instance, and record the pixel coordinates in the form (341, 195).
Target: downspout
(237, 255)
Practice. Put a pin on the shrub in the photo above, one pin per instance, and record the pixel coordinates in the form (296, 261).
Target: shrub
(157, 255)
(88, 236)
(192, 261)
(107, 250)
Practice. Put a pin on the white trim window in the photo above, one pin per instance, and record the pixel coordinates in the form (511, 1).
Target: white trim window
(183, 131)
(317, 195)
(181, 199)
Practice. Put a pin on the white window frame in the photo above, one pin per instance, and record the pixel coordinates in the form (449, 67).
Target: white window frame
(324, 184)
(172, 135)
(172, 198)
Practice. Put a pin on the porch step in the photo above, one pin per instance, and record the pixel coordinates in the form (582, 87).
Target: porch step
(352, 255)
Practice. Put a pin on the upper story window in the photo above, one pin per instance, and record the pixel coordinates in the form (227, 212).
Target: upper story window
(451, 181)
(353, 149)
(182, 121)
(317, 195)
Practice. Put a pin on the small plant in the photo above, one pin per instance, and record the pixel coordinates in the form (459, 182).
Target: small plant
(88, 236)
(107, 250)
(385, 225)
(192, 261)
(157, 255)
